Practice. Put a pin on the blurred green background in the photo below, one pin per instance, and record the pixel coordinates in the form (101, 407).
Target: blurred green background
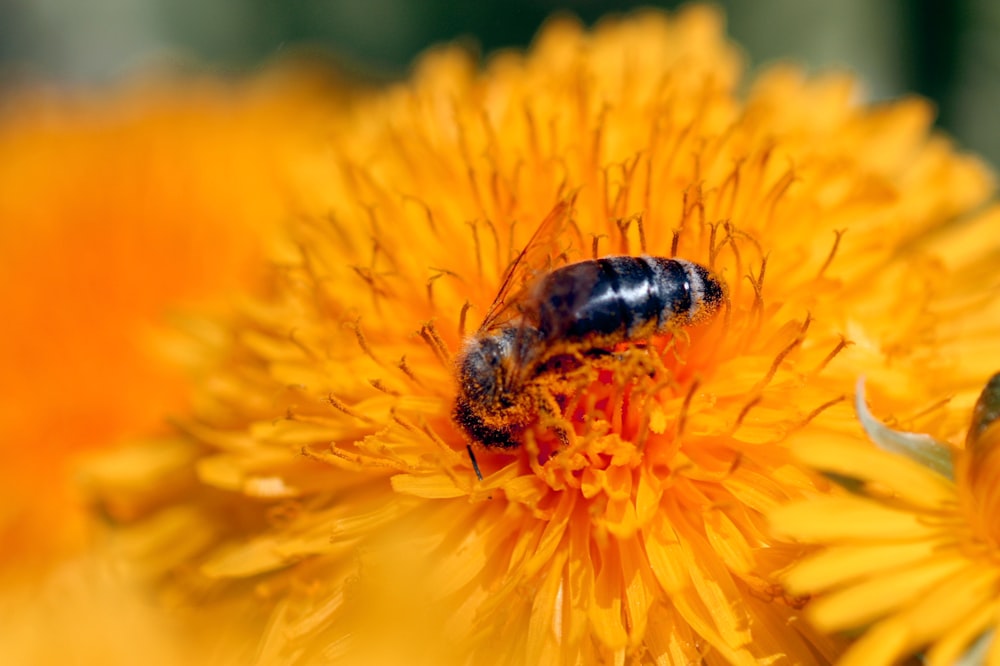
(948, 51)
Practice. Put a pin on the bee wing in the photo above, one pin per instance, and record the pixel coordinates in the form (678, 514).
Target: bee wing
(536, 258)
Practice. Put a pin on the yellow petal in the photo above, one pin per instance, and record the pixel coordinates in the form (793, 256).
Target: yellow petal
(842, 564)
(848, 518)
(860, 459)
(867, 601)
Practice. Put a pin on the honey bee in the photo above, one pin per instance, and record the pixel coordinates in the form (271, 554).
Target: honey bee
(590, 307)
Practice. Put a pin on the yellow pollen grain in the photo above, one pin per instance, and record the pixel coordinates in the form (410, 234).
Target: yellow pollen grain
(658, 420)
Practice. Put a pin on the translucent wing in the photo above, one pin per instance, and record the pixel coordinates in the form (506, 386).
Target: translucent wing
(536, 258)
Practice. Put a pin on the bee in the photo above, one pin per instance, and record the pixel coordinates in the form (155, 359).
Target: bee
(590, 307)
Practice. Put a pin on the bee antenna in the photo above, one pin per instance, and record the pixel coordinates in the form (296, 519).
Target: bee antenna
(475, 465)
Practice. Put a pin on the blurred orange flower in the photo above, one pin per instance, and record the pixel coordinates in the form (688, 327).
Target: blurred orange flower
(319, 492)
(115, 211)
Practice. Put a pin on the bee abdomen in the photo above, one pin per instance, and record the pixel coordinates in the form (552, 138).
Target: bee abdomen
(689, 291)
(625, 297)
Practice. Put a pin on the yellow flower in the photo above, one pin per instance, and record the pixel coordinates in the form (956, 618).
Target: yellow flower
(916, 552)
(320, 480)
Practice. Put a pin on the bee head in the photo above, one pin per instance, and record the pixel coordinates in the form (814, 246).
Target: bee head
(492, 364)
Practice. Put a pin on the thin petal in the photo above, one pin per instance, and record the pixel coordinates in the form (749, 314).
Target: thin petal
(955, 644)
(845, 455)
(851, 518)
(843, 564)
(867, 601)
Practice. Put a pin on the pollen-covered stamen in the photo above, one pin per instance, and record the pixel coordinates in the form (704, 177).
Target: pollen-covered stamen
(380, 385)
(356, 460)
(405, 368)
(448, 454)
(340, 405)
(362, 341)
(428, 333)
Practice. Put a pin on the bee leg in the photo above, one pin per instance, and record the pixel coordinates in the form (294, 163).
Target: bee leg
(631, 361)
(475, 465)
(552, 416)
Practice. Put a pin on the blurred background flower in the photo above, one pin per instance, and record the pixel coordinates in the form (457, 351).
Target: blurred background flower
(946, 51)
(117, 210)
(120, 211)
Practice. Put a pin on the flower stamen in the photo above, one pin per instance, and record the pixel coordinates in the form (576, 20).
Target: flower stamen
(731, 183)
(429, 334)
(341, 406)
(780, 189)
(363, 341)
(496, 241)
(757, 307)
(405, 368)
(838, 234)
(471, 224)
(819, 410)
(841, 346)
(462, 317)
(794, 344)
(750, 404)
(428, 214)
(379, 385)
(367, 276)
(682, 416)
